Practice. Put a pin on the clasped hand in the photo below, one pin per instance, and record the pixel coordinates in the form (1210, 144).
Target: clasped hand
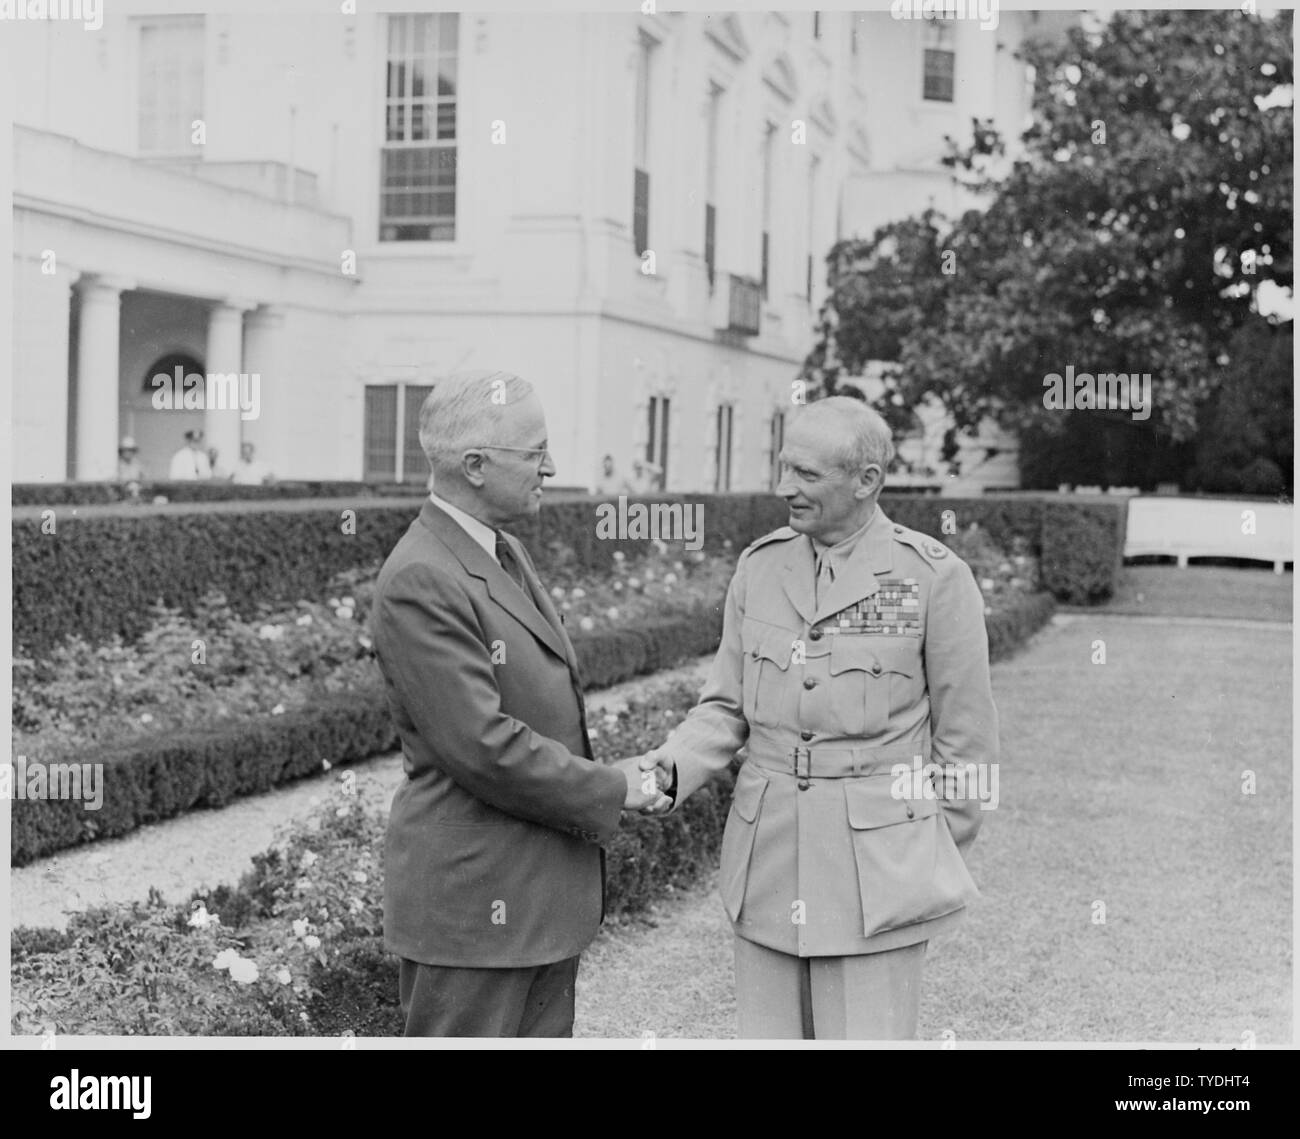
(648, 777)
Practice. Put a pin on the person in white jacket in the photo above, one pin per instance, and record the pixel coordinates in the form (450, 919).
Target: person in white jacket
(191, 461)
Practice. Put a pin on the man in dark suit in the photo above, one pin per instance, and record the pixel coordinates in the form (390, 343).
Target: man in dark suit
(493, 868)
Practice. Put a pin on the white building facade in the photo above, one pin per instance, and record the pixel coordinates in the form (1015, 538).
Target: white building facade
(631, 211)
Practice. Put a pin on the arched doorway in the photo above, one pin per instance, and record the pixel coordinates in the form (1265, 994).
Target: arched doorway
(160, 432)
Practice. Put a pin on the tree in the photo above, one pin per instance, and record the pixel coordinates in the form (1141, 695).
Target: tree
(1152, 199)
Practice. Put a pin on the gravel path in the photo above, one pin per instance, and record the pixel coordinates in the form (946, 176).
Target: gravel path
(205, 849)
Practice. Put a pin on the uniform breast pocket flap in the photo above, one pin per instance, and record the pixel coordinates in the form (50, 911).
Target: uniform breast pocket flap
(768, 649)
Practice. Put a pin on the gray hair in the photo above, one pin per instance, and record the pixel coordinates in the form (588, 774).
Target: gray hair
(869, 438)
(462, 412)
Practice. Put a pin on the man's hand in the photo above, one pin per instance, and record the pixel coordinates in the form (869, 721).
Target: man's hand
(665, 775)
(644, 787)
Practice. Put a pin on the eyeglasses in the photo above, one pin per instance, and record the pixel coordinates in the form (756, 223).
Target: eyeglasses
(539, 455)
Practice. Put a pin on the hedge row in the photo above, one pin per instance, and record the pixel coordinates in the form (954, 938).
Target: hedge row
(1080, 544)
(94, 572)
(107, 493)
(145, 781)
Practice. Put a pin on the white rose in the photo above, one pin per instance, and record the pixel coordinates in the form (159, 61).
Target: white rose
(243, 970)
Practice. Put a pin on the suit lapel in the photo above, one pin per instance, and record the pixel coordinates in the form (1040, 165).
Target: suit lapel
(478, 563)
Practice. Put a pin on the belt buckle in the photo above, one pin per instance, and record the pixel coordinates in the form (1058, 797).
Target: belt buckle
(803, 765)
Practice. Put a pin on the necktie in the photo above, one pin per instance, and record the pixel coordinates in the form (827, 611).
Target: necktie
(825, 577)
(510, 565)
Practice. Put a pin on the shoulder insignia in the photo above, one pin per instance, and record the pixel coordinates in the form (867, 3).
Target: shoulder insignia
(923, 544)
(784, 534)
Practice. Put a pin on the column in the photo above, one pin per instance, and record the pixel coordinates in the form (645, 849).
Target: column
(225, 357)
(263, 336)
(98, 362)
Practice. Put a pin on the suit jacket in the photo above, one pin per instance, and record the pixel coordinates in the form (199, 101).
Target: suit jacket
(493, 854)
(827, 851)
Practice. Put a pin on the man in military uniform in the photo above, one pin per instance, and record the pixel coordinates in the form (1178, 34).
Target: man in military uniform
(850, 647)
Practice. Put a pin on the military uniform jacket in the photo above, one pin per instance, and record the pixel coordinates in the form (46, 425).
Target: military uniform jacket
(827, 851)
(493, 855)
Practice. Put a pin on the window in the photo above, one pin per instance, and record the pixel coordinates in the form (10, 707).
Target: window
(641, 150)
(940, 59)
(656, 446)
(711, 184)
(854, 20)
(722, 448)
(418, 179)
(171, 84)
(777, 441)
(817, 25)
(393, 415)
(769, 133)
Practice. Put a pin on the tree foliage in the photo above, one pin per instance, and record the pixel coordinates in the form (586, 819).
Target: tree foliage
(1151, 198)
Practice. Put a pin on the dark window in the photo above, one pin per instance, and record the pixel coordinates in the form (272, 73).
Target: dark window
(777, 434)
(656, 446)
(722, 453)
(763, 279)
(940, 60)
(807, 285)
(380, 463)
(817, 25)
(417, 193)
(415, 466)
(641, 211)
(710, 240)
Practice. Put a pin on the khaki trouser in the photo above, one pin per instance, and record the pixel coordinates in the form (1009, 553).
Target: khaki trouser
(872, 996)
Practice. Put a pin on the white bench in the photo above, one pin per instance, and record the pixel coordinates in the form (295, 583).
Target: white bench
(1211, 528)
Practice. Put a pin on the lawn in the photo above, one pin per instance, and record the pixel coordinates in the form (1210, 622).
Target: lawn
(1254, 594)
(1120, 783)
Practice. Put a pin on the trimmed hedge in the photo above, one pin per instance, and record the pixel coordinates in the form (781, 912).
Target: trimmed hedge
(1079, 543)
(108, 493)
(98, 572)
(157, 778)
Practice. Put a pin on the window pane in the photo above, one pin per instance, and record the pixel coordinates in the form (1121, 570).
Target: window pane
(448, 30)
(415, 467)
(447, 75)
(380, 460)
(446, 120)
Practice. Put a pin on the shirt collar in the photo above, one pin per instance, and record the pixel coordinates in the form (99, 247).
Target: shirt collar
(841, 550)
(481, 532)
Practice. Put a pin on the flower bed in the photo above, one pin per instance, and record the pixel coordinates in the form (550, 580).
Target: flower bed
(295, 948)
(205, 709)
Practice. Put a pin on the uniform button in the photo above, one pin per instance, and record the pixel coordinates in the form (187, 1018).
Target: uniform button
(811, 682)
(898, 529)
(875, 669)
(805, 735)
(815, 635)
(804, 785)
(911, 814)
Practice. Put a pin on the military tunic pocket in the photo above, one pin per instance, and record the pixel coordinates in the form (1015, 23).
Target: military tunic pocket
(738, 838)
(767, 691)
(871, 680)
(909, 868)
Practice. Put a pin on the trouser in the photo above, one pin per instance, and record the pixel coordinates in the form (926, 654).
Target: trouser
(445, 1000)
(872, 996)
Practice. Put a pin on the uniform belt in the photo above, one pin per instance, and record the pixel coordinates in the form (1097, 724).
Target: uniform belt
(830, 762)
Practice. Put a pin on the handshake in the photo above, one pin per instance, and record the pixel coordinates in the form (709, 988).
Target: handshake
(648, 778)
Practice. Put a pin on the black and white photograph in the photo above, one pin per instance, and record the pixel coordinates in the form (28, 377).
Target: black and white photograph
(648, 526)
